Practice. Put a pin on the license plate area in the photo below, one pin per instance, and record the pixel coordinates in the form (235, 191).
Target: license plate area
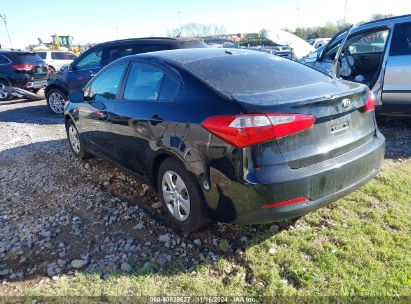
(340, 126)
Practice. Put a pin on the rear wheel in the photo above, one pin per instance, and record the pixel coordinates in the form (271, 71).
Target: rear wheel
(56, 99)
(3, 94)
(181, 196)
(76, 143)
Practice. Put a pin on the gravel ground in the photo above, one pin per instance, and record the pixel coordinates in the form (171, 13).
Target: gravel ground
(59, 215)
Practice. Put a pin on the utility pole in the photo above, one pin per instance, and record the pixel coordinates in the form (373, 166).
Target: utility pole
(179, 20)
(3, 16)
(345, 11)
(298, 17)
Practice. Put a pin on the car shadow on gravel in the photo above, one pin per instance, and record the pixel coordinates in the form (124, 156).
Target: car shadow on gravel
(36, 114)
(60, 215)
(397, 132)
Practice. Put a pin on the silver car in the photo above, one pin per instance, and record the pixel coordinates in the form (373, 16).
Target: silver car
(377, 54)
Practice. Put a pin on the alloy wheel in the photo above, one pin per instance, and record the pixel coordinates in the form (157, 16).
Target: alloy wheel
(3, 93)
(176, 196)
(56, 101)
(74, 139)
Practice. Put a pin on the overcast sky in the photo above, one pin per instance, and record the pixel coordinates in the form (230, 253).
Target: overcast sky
(102, 20)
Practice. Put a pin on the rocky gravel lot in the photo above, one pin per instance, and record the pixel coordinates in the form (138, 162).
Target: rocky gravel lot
(59, 215)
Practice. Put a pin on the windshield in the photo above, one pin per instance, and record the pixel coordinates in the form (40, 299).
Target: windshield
(252, 73)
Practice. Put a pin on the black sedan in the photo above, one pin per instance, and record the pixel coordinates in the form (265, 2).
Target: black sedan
(229, 135)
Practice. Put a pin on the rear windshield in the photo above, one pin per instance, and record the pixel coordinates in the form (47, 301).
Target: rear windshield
(194, 44)
(27, 57)
(252, 73)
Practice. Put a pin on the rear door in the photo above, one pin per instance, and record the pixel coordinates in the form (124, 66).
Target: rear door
(142, 115)
(397, 81)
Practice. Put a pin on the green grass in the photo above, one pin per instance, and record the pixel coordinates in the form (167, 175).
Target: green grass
(359, 246)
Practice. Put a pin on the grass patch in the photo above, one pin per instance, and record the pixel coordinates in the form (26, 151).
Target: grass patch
(358, 246)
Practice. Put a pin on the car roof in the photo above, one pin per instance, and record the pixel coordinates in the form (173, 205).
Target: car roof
(182, 56)
(383, 22)
(176, 40)
(13, 51)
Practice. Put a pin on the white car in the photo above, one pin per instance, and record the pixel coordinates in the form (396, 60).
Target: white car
(57, 59)
(318, 42)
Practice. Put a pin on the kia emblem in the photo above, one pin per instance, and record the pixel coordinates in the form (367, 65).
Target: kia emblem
(346, 103)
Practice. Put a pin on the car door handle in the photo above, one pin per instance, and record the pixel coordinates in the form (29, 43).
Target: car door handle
(92, 75)
(155, 119)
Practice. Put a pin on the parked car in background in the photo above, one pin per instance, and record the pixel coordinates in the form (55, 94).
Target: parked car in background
(229, 135)
(57, 59)
(76, 75)
(21, 69)
(377, 54)
(318, 42)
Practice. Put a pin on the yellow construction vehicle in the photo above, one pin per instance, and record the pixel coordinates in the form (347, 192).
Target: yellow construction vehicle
(59, 43)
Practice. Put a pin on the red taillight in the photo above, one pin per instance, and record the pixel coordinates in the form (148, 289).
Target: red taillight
(285, 203)
(370, 105)
(248, 129)
(23, 67)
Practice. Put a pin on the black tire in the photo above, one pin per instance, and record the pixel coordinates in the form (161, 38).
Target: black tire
(52, 70)
(56, 99)
(4, 84)
(81, 152)
(197, 217)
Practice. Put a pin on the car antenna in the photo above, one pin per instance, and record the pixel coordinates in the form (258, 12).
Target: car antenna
(335, 69)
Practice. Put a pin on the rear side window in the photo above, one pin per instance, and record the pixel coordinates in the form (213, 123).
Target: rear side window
(62, 56)
(252, 73)
(4, 60)
(90, 61)
(401, 40)
(105, 86)
(115, 53)
(42, 55)
(149, 83)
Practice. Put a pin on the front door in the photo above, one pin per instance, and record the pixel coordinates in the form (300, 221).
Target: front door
(96, 113)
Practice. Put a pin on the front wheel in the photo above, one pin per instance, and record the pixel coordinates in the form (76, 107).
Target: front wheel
(56, 99)
(76, 143)
(181, 196)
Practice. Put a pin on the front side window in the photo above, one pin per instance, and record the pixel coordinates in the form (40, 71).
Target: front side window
(90, 61)
(368, 43)
(401, 40)
(149, 83)
(105, 86)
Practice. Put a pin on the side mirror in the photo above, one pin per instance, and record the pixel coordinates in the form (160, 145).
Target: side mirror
(77, 97)
(71, 67)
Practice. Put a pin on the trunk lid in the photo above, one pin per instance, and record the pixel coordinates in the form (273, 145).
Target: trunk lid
(40, 67)
(341, 126)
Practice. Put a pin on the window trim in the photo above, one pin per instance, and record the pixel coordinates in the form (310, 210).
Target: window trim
(9, 61)
(163, 69)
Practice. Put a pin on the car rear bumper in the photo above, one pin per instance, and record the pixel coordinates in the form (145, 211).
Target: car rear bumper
(322, 184)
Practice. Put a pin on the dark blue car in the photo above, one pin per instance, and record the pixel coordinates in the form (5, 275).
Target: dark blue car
(75, 76)
(229, 135)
